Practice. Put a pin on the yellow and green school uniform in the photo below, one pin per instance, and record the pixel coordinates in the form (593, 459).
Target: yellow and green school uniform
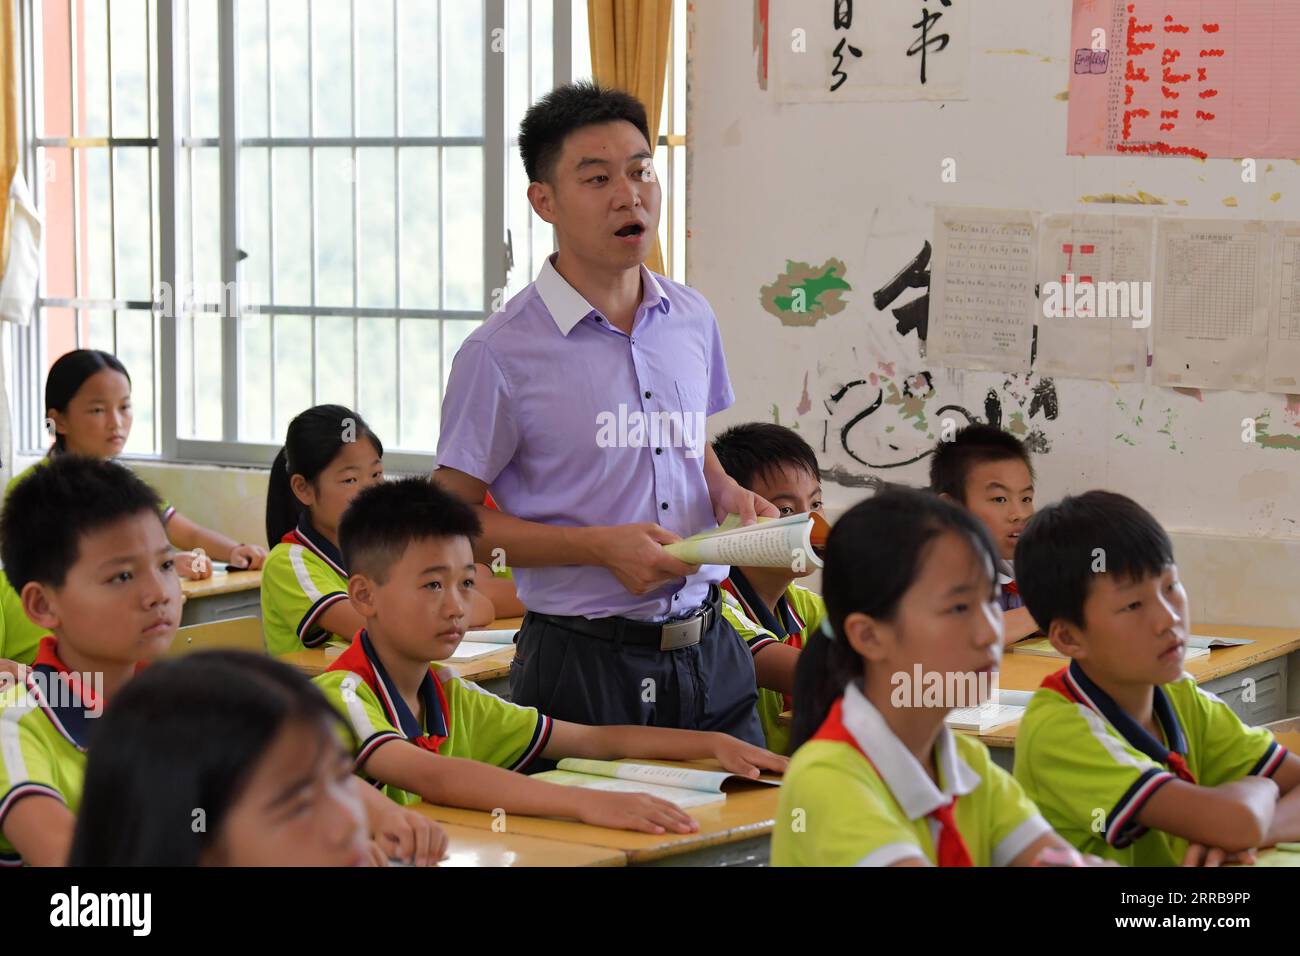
(854, 795)
(461, 719)
(303, 577)
(1091, 767)
(165, 510)
(798, 613)
(44, 728)
(19, 637)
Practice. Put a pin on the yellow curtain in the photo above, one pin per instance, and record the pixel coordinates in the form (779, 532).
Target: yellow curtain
(8, 121)
(629, 50)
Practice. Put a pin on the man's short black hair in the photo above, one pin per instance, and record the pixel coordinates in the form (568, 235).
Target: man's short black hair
(385, 519)
(953, 461)
(565, 109)
(756, 449)
(55, 504)
(1067, 544)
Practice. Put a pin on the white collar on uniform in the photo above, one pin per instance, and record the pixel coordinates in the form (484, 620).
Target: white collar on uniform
(906, 779)
(566, 304)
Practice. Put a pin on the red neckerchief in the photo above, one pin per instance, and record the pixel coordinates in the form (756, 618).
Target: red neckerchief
(951, 848)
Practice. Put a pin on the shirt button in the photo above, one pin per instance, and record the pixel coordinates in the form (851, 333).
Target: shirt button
(659, 451)
(599, 319)
(647, 394)
(664, 506)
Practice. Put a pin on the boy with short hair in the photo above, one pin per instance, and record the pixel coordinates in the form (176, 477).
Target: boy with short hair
(988, 471)
(84, 546)
(765, 606)
(1124, 754)
(408, 546)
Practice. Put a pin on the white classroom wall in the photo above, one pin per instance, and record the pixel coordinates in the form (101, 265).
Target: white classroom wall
(858, 181)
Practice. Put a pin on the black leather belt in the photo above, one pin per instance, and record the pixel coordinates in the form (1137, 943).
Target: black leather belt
(666, 635)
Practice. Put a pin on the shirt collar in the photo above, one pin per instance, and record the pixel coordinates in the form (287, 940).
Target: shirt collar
(902, 773)
(567, 305)
(1090, 695)
(315, 542)
(362, 652)
(784, 623)
(62, 695)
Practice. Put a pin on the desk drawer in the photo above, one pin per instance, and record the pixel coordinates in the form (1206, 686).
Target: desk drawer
(1269, 692)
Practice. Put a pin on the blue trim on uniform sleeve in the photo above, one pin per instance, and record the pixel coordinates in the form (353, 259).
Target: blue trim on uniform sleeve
(26, 788)
(1122, 827)
(1273, 758)
(760, 641)
(371, 744)
(315, 611)
(541, 736)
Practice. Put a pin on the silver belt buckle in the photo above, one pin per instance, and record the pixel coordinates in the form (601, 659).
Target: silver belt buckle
(677, 634)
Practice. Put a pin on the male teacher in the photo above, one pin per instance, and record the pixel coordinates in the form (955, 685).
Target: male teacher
(581, 407)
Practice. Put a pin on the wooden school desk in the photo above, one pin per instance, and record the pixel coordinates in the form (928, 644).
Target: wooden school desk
(225, 595)
(736, 832)
(491, 671)
(471, 846)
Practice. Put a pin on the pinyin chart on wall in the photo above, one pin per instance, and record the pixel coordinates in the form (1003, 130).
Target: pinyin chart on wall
(1185, 78)
(829, 51)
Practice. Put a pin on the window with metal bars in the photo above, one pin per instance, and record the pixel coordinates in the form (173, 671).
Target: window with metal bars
(260, 205)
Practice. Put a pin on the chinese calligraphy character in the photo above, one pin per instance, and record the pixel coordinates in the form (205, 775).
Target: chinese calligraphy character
(842, 14)
(925, 41)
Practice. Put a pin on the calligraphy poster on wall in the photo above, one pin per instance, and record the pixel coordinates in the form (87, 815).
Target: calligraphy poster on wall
(827, 51)
(1173, 78)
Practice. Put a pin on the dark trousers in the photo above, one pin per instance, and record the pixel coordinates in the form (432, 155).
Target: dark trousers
(591, 680)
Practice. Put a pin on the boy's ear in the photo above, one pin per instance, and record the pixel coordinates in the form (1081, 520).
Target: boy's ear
(870, 638)
(1065, 638)
(361, 592)
(542, 198)
(38, 607)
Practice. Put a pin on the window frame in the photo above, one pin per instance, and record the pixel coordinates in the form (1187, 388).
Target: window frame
(27, 356)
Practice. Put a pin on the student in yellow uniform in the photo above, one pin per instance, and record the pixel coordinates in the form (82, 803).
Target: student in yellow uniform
(83, 544)
(766, 607)
(19, 635)
(877, 779)
(329, 456)
(88, 408)
(274, 786)
(408, 546)
(1124, 754)
(989, 472)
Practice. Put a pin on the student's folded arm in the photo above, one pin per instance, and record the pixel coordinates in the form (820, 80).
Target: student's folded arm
(774, 666)
(187, 535)
(1233, 816)
(481, 611)
(40, 829)
(1018, 623)
(1286, 815)
(501, 592)
(1029, 854)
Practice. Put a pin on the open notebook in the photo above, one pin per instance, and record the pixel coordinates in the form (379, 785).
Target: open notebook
(1196, 647)
(482, 643)
(1007, 707)
(684, 786)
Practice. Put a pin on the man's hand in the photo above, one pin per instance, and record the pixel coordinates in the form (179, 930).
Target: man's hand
(733, 499)
(636, 556)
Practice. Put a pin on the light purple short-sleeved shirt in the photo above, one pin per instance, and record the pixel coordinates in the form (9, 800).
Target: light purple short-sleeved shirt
(572, 422)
